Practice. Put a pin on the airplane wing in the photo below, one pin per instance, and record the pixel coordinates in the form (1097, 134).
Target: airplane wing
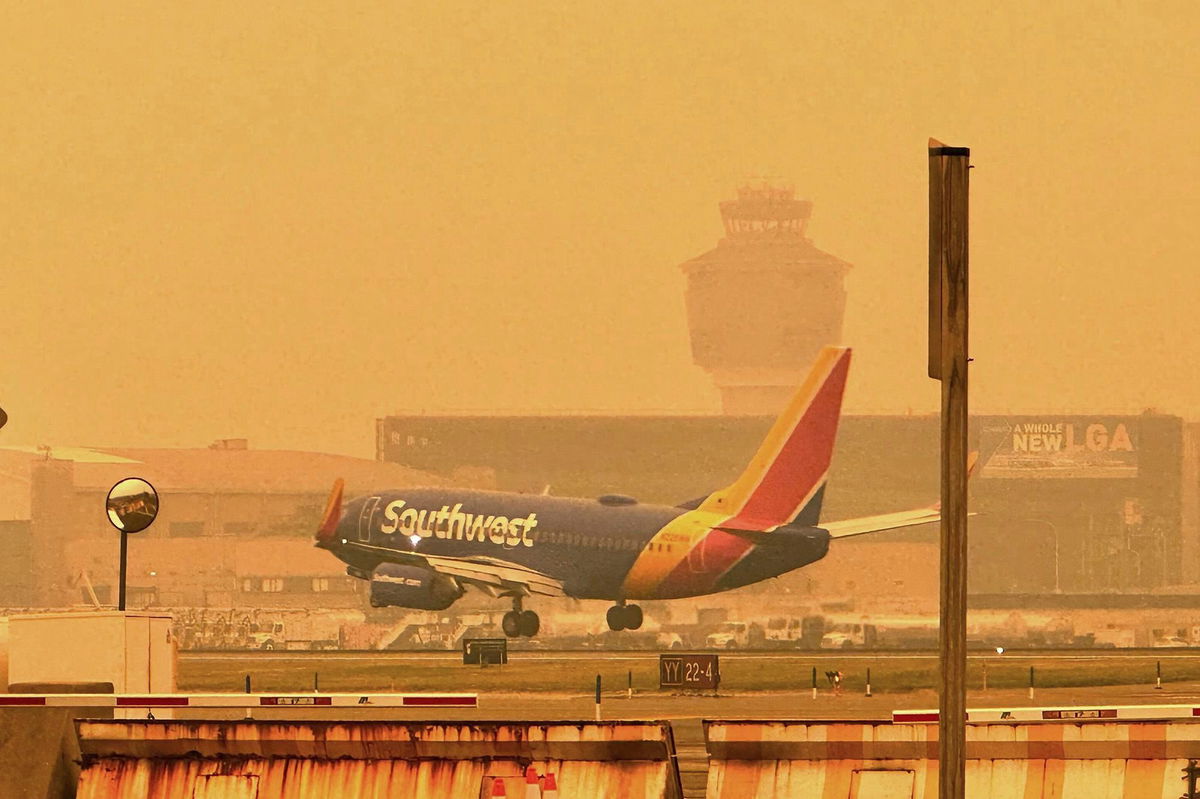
(491, 575)
(495, 575)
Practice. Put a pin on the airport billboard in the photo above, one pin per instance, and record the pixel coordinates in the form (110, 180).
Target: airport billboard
(1059, 447)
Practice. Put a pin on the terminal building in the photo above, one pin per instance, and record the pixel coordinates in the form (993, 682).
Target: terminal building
(234, 527)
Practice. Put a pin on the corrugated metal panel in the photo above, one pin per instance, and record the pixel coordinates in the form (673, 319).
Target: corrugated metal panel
(297, 778)
(1089, 760)
(299, 760)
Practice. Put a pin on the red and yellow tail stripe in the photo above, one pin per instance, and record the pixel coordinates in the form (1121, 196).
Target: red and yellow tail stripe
(792, 462)
(689, 554)
(333, 513)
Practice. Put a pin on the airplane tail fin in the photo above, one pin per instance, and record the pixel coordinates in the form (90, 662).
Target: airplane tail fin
(785, 481)
(333, 514)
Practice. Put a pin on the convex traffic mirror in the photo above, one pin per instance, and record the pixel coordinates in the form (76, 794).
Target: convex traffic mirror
(132, 505)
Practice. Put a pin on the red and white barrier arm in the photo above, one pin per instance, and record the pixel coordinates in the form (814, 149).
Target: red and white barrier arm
(1109, 712)
(240, 700)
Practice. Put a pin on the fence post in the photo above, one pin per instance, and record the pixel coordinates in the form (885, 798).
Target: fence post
(597, 697)
(629, 695)
(248, 713)
(1158, 675)
(868, 680)
(1031, 682)
(814, 682)
(316, 682)
(985, 675)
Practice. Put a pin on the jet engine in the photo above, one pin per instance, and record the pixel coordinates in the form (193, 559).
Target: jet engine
(412, 587)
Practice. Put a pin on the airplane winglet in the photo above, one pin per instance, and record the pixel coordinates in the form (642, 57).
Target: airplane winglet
(333, 513)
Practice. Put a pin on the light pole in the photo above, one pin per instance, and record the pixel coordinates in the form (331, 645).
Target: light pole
(948, 298)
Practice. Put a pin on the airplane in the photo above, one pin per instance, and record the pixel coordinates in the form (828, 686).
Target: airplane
(423, 547)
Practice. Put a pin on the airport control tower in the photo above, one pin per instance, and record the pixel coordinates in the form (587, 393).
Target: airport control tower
(764, 301)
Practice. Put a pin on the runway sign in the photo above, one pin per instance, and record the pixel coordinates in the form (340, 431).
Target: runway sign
(481, 651)
(689, 672)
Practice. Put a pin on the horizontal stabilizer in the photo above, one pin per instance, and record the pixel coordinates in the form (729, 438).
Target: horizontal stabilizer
(894, 521)
(884, 521)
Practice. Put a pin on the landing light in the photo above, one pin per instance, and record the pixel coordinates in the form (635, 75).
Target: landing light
(414, 538)
(999, 650)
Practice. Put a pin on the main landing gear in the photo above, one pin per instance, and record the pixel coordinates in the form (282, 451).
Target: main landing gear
(624, 617)
(518, 622)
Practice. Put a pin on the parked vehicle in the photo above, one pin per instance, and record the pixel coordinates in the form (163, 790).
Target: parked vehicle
(849, 636)
(730, 635)
(669, 641)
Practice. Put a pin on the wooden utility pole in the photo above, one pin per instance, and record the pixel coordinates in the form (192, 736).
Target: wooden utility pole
(948, 191)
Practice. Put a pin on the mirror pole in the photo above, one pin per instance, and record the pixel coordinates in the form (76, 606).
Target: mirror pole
(121, 577)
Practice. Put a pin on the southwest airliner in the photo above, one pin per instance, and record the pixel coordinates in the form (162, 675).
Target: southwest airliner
(423, 547)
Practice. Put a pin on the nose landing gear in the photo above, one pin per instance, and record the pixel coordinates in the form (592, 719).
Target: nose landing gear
(624, 617)
(518, 622)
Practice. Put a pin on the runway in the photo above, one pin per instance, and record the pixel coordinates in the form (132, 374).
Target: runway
(633, 656)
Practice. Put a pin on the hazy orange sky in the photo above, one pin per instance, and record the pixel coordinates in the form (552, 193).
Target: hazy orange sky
(281, 220)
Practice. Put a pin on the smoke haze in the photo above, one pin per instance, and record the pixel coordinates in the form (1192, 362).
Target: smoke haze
(280, 221)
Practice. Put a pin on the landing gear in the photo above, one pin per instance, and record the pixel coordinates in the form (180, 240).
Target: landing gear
(518, 622)
(624, 617)
(615, 616)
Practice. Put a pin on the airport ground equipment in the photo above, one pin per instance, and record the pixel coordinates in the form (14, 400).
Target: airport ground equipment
(135, 651)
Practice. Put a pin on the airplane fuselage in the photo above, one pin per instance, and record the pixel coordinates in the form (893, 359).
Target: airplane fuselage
(615, 549)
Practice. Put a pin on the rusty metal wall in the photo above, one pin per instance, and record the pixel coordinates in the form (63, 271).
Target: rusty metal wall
(297, 778)
(877, 760)
(303, 760)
